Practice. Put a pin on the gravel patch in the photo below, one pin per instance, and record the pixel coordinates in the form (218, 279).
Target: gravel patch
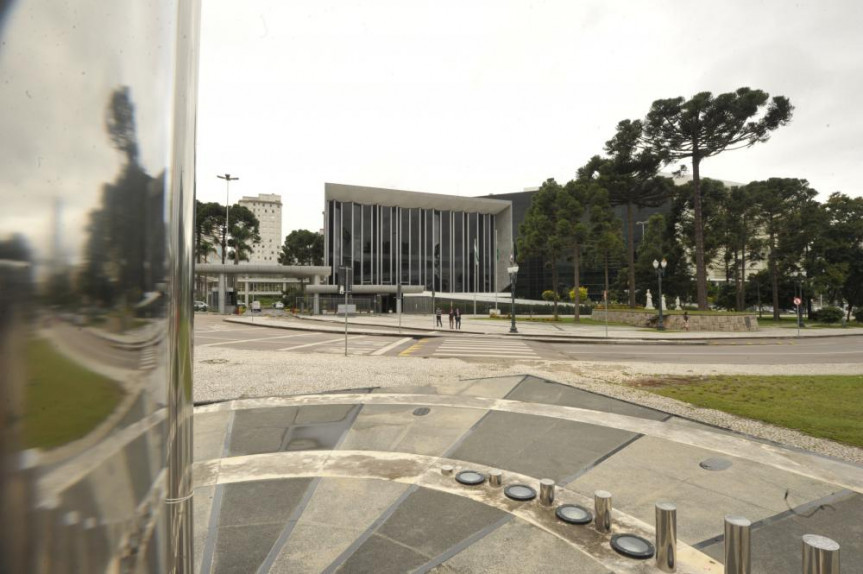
(224, 374)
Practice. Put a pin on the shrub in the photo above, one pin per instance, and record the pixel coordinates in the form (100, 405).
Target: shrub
(582, 294)
(858, 314)
(549, 295)
(829, 315)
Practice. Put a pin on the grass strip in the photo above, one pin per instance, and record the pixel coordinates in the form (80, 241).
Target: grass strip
(825, 406)
(64, 401)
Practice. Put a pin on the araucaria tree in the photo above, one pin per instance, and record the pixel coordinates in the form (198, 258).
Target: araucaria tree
(545, 231)
(630, 176)
(705, 126)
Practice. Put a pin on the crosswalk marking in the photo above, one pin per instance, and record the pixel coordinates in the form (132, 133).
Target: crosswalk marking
(391, 346)
(492, 348)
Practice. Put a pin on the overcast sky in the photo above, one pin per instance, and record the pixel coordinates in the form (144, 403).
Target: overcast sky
(472, 98)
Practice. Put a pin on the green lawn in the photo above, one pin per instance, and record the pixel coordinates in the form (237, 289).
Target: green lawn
(826, 406)
(64, 401)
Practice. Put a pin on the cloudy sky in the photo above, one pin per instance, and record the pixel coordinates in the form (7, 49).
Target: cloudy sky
(471, 98)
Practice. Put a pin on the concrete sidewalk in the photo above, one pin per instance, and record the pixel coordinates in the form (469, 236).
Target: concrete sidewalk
(423, 326)
(358, 482)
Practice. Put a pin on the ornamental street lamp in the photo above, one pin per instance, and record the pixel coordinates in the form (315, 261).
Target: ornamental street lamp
(660, 272)
(513, 272)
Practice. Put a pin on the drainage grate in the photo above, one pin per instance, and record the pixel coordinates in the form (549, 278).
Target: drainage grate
(632, 546)
(573, 514)
(715, 464)
(470, 477)
(422, 411)
(519, 492)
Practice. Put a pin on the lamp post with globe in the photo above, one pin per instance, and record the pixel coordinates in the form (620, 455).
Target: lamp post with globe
(660, 272)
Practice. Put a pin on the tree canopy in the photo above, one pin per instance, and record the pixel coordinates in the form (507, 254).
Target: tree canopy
(705, 126)
(302, 247)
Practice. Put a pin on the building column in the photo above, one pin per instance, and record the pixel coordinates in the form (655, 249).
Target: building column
(223, 292)
(316, 306)
(246, 290)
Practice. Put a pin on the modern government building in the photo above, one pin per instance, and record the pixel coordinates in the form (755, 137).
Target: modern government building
(423, 241)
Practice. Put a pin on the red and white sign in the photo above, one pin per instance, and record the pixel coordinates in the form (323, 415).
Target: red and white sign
(797, 301)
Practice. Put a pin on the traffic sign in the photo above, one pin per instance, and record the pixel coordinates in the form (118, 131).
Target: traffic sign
(797, 301)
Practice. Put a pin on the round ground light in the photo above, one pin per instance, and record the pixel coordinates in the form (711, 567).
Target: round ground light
(573, 514)
(519, 492)
(470, 477)
(632, 546)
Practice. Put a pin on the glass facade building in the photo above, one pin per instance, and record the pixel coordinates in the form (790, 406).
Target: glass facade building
(442, 243)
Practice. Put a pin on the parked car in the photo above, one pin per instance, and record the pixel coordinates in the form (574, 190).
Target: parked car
(278, 305)
(201, 306)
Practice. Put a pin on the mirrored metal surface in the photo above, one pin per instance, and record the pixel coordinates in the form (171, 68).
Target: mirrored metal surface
(97, 156)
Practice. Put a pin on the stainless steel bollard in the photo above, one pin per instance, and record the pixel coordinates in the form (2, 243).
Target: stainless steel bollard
(546, 492)
(738, 558)
(495, 478)
(602, 508)
(666, 536)
(820, 555)
(446, 469)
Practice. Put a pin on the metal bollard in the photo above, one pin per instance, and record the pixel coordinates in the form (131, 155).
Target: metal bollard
(820, 555)
(602, 508)
(738, 558)
(546, 492)
(666, 536)
(446, 469)
(495, 478)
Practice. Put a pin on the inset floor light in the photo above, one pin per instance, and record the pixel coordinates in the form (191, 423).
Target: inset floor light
(519, 492)
(470, 477)
(573, 514)
(632, 546)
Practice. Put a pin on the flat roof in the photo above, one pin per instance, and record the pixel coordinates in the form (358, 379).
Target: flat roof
(412, 199)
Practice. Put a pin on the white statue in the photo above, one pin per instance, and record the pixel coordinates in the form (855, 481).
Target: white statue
(677, 303)
(664, 306)
(649, 304)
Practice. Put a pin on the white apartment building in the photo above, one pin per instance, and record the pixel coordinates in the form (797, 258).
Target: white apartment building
(267, 207)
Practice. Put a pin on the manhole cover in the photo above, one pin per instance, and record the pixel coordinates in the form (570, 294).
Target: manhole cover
(519, 492)
(715, 464)
(632, 545)
(215, 361)
(573, 514)
(421, 412)
(470, 477)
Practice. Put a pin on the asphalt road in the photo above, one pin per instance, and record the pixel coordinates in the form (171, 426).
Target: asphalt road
(212, 331)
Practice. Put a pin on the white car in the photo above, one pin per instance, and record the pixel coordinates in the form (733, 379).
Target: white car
(278, 305)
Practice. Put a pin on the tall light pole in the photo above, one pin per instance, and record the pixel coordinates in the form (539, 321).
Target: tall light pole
(660, 271)
(228, 179)
(513, 271)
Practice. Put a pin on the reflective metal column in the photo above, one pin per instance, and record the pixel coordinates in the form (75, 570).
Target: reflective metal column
(666, 536)
(738, 557)
(602, 510)
(820, 555)
(96, 247)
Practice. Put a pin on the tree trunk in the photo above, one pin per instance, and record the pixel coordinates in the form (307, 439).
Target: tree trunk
(700, 267)
(630, 253)
(741, 297)
(554, 285)
(606, 282)
(576, 295)
(774, 279)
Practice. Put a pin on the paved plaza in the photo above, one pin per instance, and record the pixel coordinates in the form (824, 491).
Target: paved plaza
(352, 482)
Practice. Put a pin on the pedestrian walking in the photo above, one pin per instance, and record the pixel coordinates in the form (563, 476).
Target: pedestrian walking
(458, 318)
(451, 317)
(437, 314)
(686, 321)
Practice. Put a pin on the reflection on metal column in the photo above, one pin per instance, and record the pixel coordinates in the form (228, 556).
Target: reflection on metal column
(96, 238)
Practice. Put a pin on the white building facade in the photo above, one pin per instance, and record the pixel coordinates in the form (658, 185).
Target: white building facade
(267, 207)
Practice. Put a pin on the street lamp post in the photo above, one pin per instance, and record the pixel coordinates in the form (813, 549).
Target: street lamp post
(228, 179)
(513, 272)
(660, 272)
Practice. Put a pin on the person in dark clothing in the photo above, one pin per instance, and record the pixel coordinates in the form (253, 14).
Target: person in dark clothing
(437, 316)
(457, 318)
(451, 318)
